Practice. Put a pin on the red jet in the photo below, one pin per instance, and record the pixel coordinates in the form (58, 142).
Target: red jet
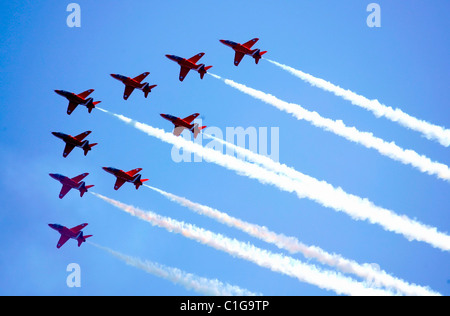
(181, 124)
(244, 49)
(77, 99)
(134, 83)
(188, 64)
(72, 233)
(74, 183)
(122, 177)
(77, 141)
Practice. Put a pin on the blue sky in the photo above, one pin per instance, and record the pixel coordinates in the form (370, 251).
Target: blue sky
(403, 64)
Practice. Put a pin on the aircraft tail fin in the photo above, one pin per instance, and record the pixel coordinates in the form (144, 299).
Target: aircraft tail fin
(92, 105)
(257, 54)
(203, 70)
(196, 130)
(147, 89)
(141, 181)
(138, 181)
(88, 147)
(82, 239)
(84, 188)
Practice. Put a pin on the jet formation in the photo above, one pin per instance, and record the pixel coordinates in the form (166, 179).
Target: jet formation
(180, 124)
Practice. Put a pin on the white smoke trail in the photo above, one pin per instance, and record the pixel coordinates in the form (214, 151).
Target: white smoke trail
(188, 280)
(430, 131)
(293, 245)
(327, 280)
(337, 199)
(391, 150)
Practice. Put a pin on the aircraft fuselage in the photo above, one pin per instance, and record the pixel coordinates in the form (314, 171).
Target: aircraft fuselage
(238, 47)
(128, 81)
(120, 174)
(183, 62)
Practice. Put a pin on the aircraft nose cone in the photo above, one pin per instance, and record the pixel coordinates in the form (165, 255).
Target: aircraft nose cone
(163, 115)
(55, 176)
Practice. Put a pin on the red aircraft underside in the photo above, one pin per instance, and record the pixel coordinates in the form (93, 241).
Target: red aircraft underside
(134, 83)
(77, 99)
(244, 49)
(71, 183)
(188, 64)
(131, 176)
(72, 233)
(75, 141)
(186, 123)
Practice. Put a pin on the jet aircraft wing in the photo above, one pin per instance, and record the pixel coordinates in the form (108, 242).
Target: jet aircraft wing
(238, 57)
(86, 93)
(77, 229)
(190, 118)
(128, 91)
(68, 149)
(72, 106)
(183, 73)
(141, 77)
(196, 58)
(82, 136)
(80, 177)
(133, 172)
(65, 189)
(119, 183)
(62, 240)
(178, 130)
(250, 43)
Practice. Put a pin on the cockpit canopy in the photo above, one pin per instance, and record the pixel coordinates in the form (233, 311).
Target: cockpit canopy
(121, 77)
(171, 117)
(177, 58)
(230, 42)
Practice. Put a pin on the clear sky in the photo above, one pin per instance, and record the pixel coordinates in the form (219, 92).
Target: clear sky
(404, 64)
